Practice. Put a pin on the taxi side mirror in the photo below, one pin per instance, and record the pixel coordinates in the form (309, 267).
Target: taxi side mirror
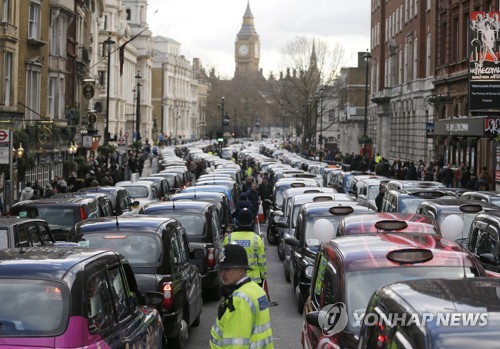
(312, 318)
(280, 222)
(292, 242)
(488, 258)
(153, 298)
(197, 253)
(135, 203)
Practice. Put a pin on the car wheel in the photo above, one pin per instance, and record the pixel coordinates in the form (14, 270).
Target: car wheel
(179, 341)
(298, 299)
(287, 273)
(272, 237)
(281, 251)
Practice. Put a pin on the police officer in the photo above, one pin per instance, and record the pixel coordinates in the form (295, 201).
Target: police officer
(252, 243)
(243, 319)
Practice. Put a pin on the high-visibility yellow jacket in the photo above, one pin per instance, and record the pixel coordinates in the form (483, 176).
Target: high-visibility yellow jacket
(255, 251)
(247, 324)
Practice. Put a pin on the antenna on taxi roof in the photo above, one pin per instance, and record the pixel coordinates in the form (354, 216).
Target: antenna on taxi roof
(116, 220)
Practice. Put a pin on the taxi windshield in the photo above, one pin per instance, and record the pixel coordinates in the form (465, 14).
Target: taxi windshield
(373, 191)
(139, 191)
(362, 284)
(310, 238)
(47, 316)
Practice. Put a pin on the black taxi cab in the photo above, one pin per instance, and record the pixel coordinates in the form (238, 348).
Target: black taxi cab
(220, 200)
(350, 268)
(487, 196)
(119, 197)
(158, 251)
(201, 221)
(484, 241)
(305, 243)
(24, 232)
(454, 216)
(433, 313)
(407, 200)
(61, 297)
(383, 221)
(60, 213)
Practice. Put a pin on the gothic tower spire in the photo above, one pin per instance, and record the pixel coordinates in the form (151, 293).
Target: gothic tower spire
(247, 46)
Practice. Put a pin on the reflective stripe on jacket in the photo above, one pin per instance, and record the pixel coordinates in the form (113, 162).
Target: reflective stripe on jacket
(248, 325)
(255, 251)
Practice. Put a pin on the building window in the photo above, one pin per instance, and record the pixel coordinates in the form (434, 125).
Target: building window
(428, 55)
(442, 43)
(129, 14)
(397, 20)
(401, 18)
(455, 44)
(7, 88)
(407, 7)
(429, 5)
(34, 20)
(415, 59)
(331, 115)
(32, 93)
(463, 39)
(5, 11)
(52, 97)
(416, 8)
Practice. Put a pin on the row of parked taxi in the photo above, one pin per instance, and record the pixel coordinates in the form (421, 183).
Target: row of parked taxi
(117, 266)
(429, 252)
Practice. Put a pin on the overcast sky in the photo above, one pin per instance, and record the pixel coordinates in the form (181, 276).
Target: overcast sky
(207, 28)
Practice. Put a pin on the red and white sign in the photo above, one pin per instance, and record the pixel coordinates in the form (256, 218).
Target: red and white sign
(4, 136)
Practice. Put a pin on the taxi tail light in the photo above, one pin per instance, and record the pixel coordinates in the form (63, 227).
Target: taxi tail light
(168, 296)
(211, 257)
(83, 214)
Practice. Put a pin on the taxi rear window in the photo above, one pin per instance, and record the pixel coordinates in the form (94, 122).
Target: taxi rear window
(46, 315)
(141, 250)
(137, 191)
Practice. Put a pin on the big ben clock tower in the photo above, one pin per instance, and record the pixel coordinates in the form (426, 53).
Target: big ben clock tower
(247, 47)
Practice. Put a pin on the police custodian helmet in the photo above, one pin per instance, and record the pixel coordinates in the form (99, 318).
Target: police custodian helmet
(245, 218)
(233, 256)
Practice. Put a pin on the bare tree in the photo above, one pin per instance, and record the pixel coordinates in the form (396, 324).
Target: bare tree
(309, 64)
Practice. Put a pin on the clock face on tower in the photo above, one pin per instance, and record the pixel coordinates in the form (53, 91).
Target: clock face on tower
(243, 50)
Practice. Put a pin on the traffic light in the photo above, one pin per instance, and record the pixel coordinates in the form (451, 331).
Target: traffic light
(220, 135)
(320, 139)
(233, 134)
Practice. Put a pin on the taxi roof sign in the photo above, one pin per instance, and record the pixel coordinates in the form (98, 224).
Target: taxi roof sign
(391, 225)
(410, 256)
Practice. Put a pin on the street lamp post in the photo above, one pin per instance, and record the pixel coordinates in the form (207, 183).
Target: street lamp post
(367, 57)
(222, 115)
(19, 153)
(321, 140)
(138, 77)
(108, 43)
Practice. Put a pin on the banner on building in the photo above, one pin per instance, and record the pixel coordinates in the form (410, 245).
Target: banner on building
(484, 61)
(491, 127)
